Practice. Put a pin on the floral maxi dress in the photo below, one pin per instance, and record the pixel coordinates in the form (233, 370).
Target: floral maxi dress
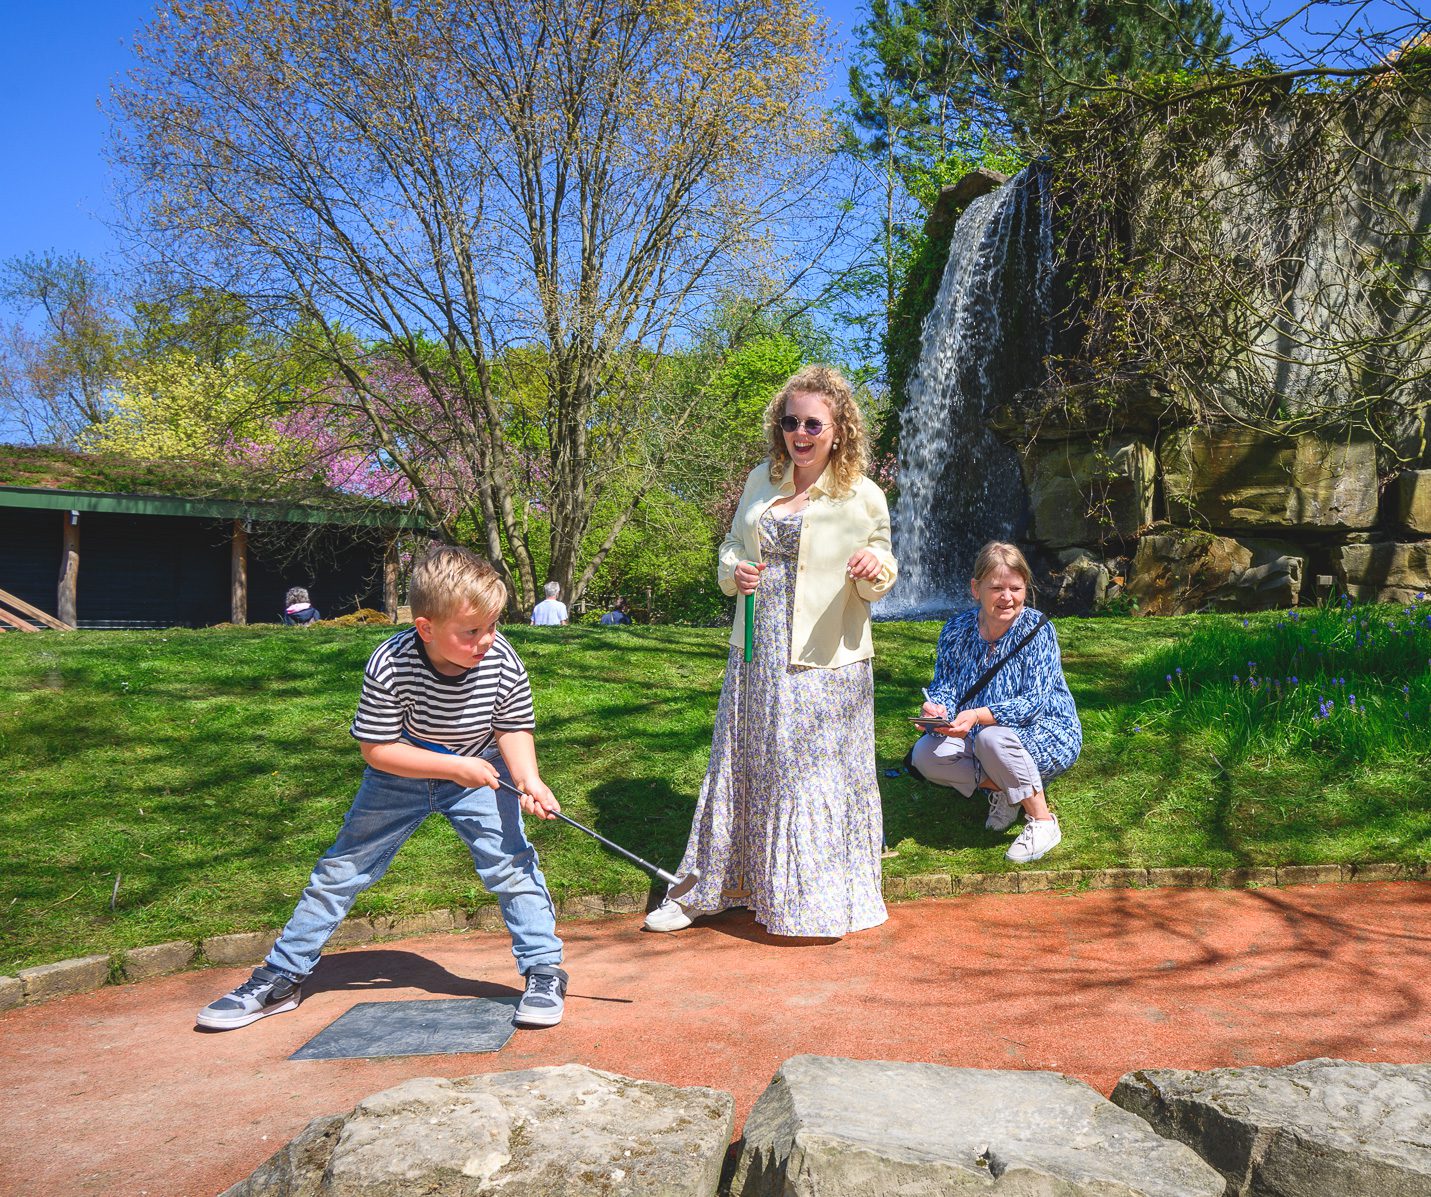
(790, 807)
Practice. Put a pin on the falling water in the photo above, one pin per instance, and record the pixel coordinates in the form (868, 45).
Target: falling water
(984, 340)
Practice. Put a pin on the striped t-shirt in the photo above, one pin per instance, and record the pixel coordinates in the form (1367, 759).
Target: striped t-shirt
(402, 692)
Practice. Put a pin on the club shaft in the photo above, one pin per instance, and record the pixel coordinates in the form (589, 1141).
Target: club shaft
(668, 878)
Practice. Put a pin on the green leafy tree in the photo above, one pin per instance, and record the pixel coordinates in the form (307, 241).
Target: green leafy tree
(174, 407)
(973, 77)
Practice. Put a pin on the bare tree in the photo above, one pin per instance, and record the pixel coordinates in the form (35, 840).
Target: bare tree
(55, 374)
(513, 203)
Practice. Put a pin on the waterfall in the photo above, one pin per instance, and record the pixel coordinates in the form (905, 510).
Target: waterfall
(984, 339)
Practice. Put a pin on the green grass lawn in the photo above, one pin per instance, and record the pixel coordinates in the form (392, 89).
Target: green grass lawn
(206, 770)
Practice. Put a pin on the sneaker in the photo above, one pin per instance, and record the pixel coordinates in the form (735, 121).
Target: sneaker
(542, 1004)
(1003, 814)
(668, 916)
(265, 992)
(1038, 838)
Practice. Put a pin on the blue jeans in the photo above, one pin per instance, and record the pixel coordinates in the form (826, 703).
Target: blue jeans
(386, 811)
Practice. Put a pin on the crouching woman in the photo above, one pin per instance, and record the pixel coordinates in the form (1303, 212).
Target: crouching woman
(1025, 731)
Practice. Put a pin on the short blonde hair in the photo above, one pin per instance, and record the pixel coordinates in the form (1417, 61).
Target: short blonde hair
(999, 553)
(850, 457)
(449, 577)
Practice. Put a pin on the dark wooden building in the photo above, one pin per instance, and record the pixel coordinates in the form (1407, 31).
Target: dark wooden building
(98, 560)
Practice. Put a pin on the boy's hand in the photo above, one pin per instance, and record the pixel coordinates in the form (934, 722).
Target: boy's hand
(471, 771)
(537, 798)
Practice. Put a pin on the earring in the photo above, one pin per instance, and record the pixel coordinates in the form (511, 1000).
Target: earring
(836, 445)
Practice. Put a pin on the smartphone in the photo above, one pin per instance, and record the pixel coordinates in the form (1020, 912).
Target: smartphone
(929, 722)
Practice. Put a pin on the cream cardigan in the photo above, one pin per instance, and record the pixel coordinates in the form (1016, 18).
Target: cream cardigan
(831, 624)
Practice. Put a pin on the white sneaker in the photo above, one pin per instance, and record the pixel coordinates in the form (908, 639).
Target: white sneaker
(668, 916)
(1002, 813)
(1039, 837)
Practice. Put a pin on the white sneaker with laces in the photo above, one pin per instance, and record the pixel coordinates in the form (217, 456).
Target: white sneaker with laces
(1003, 814)
(1038, 838)
(668, 916)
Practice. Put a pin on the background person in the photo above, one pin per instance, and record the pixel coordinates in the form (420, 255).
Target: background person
(550, 612)
(788, 821)
(617, 616)
(297, 609)
(445, 711)
(1027, 732)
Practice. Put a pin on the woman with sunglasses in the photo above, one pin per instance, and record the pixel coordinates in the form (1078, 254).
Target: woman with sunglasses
(788, 821)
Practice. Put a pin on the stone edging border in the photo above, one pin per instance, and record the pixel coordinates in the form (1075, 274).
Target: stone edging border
(86, 973)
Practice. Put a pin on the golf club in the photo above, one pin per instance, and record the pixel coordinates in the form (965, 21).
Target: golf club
(679, 886)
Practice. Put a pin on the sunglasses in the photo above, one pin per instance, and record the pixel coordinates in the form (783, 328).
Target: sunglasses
(812, 426)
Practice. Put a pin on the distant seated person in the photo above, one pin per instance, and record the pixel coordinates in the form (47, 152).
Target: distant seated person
(617, 615)
(551, 611)
(297, 609)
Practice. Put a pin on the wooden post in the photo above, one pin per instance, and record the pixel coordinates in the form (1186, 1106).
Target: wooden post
(390, 579)
(238, 575)
(67, 601)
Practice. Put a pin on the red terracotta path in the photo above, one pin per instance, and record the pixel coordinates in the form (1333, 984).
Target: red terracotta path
(115, 1092)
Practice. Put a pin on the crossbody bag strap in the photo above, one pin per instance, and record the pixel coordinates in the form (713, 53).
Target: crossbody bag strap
(988, 677)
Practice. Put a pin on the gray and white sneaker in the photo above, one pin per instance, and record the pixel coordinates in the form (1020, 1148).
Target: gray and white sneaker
(1002, 813)
(542, 1004)
(265, 992)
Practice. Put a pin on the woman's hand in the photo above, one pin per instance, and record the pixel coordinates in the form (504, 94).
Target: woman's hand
(965, 721)
(864, 566)
(747, 576)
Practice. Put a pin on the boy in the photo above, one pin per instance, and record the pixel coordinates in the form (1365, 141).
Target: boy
(452, 682)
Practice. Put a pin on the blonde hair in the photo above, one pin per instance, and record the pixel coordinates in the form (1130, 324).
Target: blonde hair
(999, 553)
(449, 577)
(850, 456)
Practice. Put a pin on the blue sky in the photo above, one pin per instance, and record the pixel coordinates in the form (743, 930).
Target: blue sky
(57, 61)
(59, 57)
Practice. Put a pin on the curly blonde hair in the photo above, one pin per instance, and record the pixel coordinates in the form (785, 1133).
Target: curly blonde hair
(850, 456)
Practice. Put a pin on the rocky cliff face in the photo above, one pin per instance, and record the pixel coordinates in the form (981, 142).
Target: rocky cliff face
(1292, 424)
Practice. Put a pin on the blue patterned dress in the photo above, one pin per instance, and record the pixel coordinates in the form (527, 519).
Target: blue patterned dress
(1029, 694)
(790, 806)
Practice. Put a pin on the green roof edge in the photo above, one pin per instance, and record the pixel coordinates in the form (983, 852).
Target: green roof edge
(48, 498)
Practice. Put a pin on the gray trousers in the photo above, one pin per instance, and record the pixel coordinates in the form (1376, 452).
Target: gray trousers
(996, 753)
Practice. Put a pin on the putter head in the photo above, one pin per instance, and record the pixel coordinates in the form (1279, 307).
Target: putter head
(683, 885)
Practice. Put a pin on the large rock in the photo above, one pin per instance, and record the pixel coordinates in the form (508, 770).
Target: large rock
(1384, 572)
(1177, 570)
(867, 1128)
(1265, 587)
(1321, 1128)
(546, 1131)
(1081, 493)
(1230, 479)
(1413, 501)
